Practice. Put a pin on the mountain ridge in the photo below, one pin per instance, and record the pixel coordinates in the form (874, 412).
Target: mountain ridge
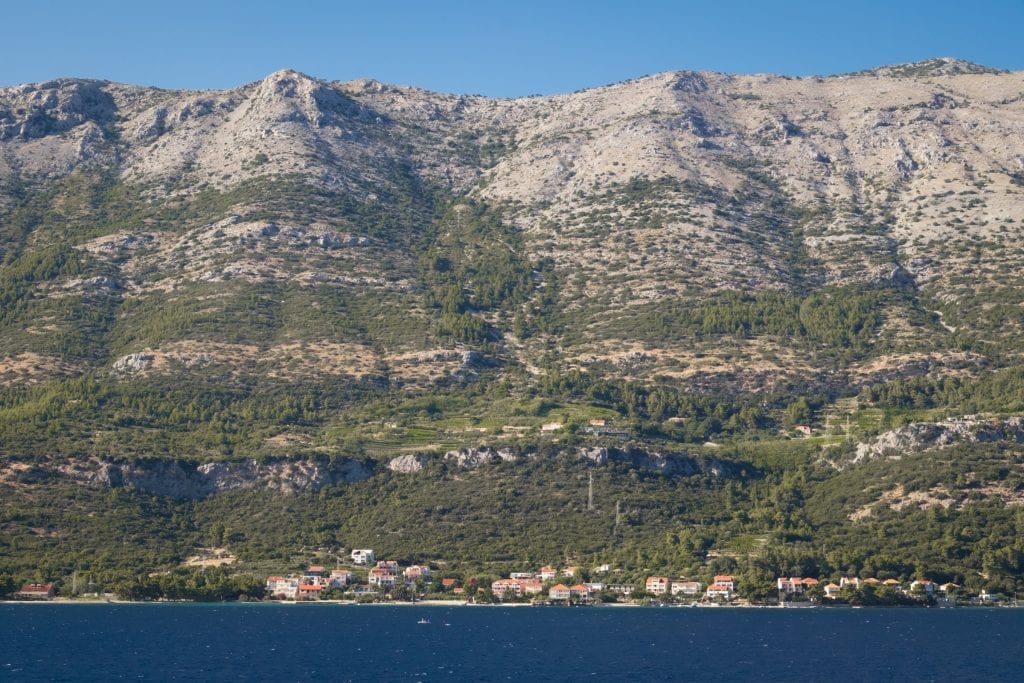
(761, 271)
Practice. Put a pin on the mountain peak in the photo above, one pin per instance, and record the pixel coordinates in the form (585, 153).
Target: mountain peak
(936, 66)
(286, 74)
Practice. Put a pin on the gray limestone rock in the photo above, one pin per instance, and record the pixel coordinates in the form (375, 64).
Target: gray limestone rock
(407, 464)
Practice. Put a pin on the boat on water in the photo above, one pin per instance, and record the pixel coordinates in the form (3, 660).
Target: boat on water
(423, 620)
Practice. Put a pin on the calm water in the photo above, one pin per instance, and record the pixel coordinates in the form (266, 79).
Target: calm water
(364, 643)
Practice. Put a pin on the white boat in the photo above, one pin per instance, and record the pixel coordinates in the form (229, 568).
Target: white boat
(423, 620)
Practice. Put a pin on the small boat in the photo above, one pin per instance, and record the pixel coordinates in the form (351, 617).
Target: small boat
(423, 620)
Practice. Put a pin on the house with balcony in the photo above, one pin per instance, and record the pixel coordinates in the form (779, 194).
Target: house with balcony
(726, 580)
(720, 591)
(309, 591)
(560, 592)
(657, 585)
(381, 578)
(363, 556)
(415, 572)
(282, 587)
(340, 578)
(506, 588)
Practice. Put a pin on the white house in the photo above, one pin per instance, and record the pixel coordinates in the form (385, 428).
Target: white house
(581, 591)
(559, 592)
(789, 585)
(390, 566)
(726, 580)
(687, 587)
(363, 556)
(503, 588)
(341, 578)
(417, 571)
(719, 590)
(382, 578)
(282, 587)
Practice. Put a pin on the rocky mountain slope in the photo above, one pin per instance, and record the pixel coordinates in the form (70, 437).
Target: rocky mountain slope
(637, 195)
(347, 291)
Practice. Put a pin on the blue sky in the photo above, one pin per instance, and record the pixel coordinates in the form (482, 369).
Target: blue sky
(493, 48)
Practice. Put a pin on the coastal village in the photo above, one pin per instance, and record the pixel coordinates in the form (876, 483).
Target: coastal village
(367, 579)
(387, 579)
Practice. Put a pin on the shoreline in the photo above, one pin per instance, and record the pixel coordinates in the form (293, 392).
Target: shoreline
(458, 603)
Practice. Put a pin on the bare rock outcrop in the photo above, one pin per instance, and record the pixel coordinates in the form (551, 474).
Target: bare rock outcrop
(667, 464)
(55, 107)
(178, 479)
(920, 436)
(133, 363)
(472, 458)
(407, 464)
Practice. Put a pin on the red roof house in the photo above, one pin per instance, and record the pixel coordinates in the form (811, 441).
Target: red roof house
(36, 591)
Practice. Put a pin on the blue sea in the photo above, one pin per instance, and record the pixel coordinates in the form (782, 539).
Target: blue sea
(106, 642)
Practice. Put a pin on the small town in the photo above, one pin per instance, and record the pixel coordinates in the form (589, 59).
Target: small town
(366, 580)
(387, 580)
